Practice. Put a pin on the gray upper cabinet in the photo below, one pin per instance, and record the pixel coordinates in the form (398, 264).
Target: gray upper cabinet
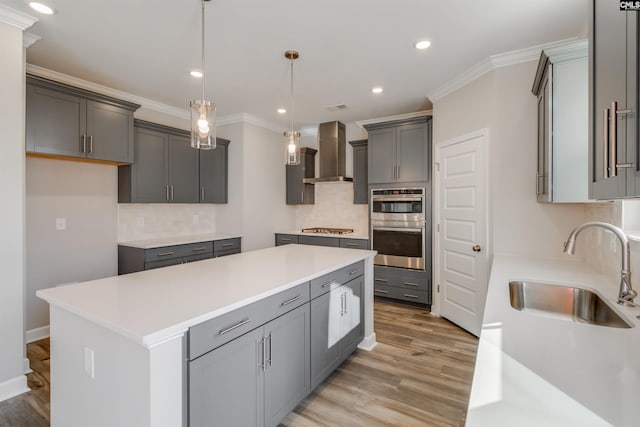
(147, 180)
(184, 171)
(561, 85)
(613, 80)
(399, 151)
(299, 193)
(70, 122)
(360, 172)
(214, 173)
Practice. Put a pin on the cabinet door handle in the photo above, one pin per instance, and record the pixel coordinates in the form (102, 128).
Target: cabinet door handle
(302, 195)
(537, 184)
(605, 144)
(613, 139)
(352, 272)
(226, 245)
(236, 326)
(263, 350)
(381, 291)
(381, 280)
(285, 239)
(398, 172)
(167, 191)
(351, 245)
(202, 193)
(329, 284)
(270, 339)
(165, 253)
(411, 284)
(411, 296)
(290, 301)
(83, 145)
(90, 144)
(199, 249)
(172, 192)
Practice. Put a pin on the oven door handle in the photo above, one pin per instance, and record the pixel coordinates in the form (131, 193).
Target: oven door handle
(417, 230)
(399, 199)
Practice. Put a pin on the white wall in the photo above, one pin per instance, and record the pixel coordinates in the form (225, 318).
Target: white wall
(85, 195)
(12, 225)
(229, 218)
(501, 100)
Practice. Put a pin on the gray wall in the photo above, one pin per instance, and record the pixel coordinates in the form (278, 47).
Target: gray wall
(85, 195)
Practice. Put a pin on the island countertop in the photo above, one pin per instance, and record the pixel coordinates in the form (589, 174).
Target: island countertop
(537, 370)
(151, 306)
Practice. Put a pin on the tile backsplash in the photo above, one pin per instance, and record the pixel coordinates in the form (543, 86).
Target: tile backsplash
(148, 221)
(333, 208)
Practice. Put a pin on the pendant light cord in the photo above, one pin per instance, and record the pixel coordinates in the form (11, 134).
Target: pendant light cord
(291, 60)
(203, 73)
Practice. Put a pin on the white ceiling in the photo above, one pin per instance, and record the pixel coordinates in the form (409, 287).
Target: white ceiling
(147, 47)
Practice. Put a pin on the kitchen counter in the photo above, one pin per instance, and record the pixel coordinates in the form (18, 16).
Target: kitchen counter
(159, 242)
(535, 370)
(338, 236)
(119, 345)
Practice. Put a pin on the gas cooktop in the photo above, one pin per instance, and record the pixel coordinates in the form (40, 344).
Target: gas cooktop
(327, 230)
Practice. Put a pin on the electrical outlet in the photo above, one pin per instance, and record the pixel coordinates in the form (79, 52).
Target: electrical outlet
(61, 224)
(89, 365)
(196, 220)
(140, 221)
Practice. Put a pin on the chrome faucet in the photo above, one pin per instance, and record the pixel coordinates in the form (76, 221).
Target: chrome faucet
(626, 294)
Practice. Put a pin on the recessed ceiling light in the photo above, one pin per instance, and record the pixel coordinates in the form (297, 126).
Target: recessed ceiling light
(41, 8)
(423, 44)
(196, 73)
(376, 89)
(282, 110)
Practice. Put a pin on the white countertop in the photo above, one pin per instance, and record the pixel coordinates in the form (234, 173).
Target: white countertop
(159, 242)
(151, 306)
(337, 236)
(534, 370)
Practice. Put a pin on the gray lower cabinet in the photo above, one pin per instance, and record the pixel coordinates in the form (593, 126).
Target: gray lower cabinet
(70, 122)
(354, 243)
(399, 151)
(286, 239)
(214, 173)
(132, 259)
(299, 193)
(360, 172)
(319, 241)
(613, 86)
(402, 284)
(327, 311)
(253, 380)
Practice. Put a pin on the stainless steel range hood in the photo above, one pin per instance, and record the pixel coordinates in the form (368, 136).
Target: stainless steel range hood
(332, 145)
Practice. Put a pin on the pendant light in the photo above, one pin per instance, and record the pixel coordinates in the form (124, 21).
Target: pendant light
(292, 137)
(203, 112)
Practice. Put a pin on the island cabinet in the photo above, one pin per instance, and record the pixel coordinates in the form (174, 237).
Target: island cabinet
(614, 140)
(259, 377)
(399, 151)
(68, 122)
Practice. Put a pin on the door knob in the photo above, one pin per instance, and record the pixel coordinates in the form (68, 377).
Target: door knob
(476, 248)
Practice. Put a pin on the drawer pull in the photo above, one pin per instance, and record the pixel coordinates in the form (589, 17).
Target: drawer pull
(411, 296)
(199, 249)
(411, 284)
(352, 245)
(236, 326)
(381, 280)
(290, 301)
(329, 284)
(285, 239)
(381, 291)
(351, 273)
(226, 245)
(165, 253)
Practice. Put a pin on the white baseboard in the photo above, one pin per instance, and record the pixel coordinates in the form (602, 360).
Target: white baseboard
(13, 387)
(368, 343)
(26, 366)
(37, 334)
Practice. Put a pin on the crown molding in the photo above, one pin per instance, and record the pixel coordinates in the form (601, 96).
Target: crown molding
(493, 62)
(16, 18)
(248, 118)
(568, 51)
(29, 39)
(363, 123)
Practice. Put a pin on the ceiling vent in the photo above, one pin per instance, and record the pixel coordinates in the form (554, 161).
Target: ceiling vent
(337, 107)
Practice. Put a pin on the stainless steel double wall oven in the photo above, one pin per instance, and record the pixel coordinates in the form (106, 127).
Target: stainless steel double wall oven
(398, 227)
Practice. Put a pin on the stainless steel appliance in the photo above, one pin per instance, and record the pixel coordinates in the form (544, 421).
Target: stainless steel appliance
(398, 227)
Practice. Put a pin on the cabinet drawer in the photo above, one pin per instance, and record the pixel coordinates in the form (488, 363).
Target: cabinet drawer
(335, 279)
(286, 239)
(178, 251)
(386, 291)
(198, 257)
(226, 244)
(218, 254)
(406, 279)
(354, 243)
(213, 333)
(319, 241)
(162, 263)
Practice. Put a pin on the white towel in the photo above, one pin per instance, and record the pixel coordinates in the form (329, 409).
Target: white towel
(351, 317)
(335, 317)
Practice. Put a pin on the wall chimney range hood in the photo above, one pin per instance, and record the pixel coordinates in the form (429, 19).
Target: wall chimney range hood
(332, 146)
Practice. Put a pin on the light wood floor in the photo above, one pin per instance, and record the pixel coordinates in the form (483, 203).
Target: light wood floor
(419, 374)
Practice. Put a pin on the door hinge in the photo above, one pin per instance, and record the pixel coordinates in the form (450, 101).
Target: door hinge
(438, 288)
(437, 228)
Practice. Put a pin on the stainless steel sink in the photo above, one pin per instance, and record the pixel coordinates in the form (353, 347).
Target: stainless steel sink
(566, 302)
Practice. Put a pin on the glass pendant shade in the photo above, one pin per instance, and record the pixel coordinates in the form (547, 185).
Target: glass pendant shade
(203, 124)
(292, 148)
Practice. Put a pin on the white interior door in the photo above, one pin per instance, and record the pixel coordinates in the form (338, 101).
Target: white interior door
(462, 252)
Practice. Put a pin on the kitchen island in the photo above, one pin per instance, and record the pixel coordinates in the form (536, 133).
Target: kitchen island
(535, 369)
(120, 347)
